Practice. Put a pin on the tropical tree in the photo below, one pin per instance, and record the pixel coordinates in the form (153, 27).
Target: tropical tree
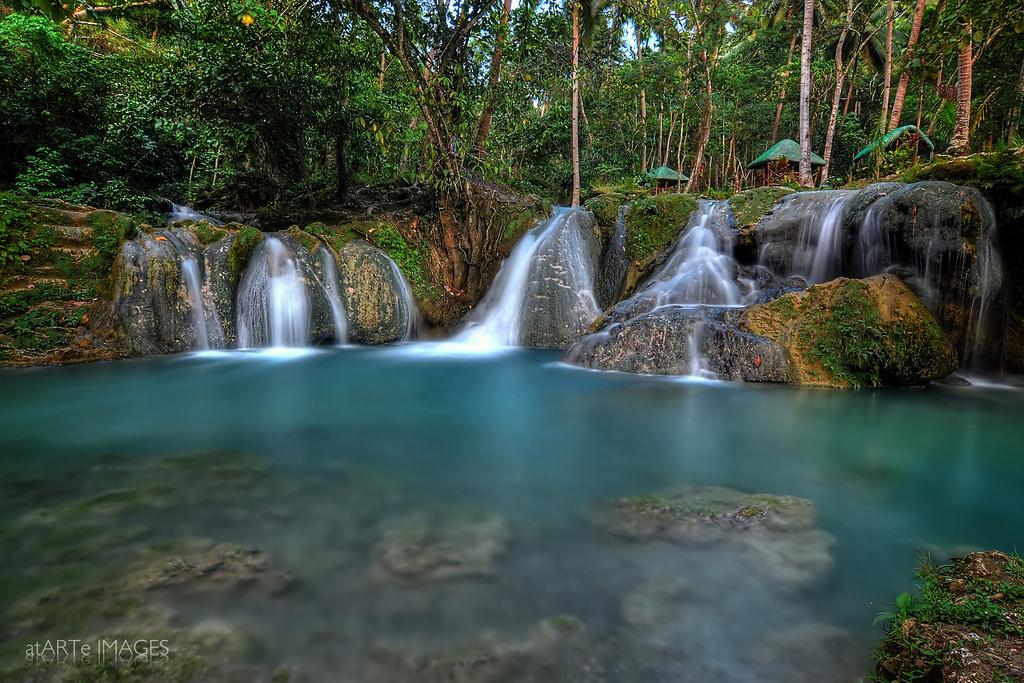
(805, 95)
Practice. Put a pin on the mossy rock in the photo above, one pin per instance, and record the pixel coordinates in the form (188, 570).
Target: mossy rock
(207, 233)
(653, 222)
(750, 205)
(852, 333)
(966, 623)
(409, 256)
(242, 246)
(307, 240)
(605, 208)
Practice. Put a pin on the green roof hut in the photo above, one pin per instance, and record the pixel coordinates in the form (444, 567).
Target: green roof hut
(664, 177)
(904, 136)
(780, 163)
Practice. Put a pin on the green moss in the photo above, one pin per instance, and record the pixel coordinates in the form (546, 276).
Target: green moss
(844, 331)
(605, 208)
(241, 250)
(304, 238)
(750, 205)
(653, 222)
(109, 230)
(407, 256)
(522, 218)
(19, 235)
(207, 233)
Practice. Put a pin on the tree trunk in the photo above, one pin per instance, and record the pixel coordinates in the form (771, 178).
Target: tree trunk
(668, 144)
(805, 95)
(492, 87)
(643, 104)
(341, 162)
(838, 92)
(887, 76)
(1011, 132)
(704, 133)
(901, 87)
(782, 93)
(960, 143)
(575, 103)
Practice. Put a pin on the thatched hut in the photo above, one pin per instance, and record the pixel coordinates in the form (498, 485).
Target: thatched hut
(780, 163)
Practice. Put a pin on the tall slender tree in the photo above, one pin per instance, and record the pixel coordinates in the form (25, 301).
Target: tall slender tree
(806, 177)
(576, 8)
(908, 56)
(960, 142)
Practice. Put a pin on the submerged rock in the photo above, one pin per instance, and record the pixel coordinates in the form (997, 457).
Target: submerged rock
(702, 514)
(776, 533)
(555, 651)
(433, 547)
(376, 299)
(223, 568)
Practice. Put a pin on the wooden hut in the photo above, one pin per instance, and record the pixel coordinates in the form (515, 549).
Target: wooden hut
(780, 163)
(664, 178)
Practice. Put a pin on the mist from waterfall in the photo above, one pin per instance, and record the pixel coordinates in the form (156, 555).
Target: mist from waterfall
(497, 320)
(272, 303)
(819, 253)
(333, 293)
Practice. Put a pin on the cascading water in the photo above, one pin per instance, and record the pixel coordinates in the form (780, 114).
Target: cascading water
(334, 296)
(272, 303)
(407, 301)
(819, 255)
(206, 338)
(185, 213)
(556, 244)
(700, 269)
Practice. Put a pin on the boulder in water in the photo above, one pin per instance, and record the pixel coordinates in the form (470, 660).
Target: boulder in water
(377, 301)
(854, 333)
(558, 302)
(676, 340)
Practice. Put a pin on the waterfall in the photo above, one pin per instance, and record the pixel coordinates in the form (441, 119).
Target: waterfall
(819, 254)
(185, 213)
(334, 296)
(405, 301)
(205, 337)
(873, 252)
(272, 303)
(551, 258)
(694, 346)
(700, 269)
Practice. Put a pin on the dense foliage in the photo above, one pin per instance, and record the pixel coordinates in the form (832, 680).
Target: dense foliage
(247, 103)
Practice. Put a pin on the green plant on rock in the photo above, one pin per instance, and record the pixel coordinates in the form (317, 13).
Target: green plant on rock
(109, 231)
(241, 250)
(408, 257)
(653, 222)
(207, 233)
(845, 332)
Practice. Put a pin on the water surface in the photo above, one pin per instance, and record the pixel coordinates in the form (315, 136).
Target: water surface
(313, 457)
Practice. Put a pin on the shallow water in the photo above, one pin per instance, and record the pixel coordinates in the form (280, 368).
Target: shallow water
(312, 457)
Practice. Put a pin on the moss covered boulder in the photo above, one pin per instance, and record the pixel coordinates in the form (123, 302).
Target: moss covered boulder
(854, 333)
(652, 224)
(377, 301)
(748, 207)
(965, 625)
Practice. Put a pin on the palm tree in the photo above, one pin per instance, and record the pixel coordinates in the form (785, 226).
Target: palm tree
(805, 95)
(960, 143)
(901, 87)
